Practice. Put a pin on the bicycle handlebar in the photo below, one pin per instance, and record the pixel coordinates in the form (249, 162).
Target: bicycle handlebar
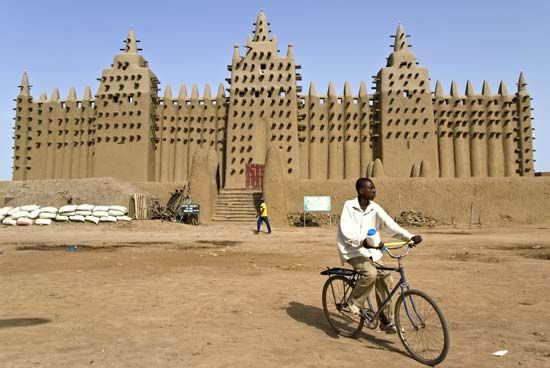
(387, 247)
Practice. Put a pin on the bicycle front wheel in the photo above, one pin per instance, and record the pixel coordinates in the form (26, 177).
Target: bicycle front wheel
(336, 292)
(421, 327)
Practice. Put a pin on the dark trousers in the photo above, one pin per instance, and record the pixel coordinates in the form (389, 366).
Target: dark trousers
(259, 223)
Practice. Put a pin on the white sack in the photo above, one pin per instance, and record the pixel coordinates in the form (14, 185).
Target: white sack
(124, 218)
(101, 208)
(47, 215)
(9, 221)
(4, 211)
(116, 213)
(119, 208)
(93, 219)
(68, 208)
(107, 219)
(42, 221)
(19, 214)
(77, 218)
(34, 214)
(48, 209)
(100, 213)
(30, 208)
(14, 210)
(85, 207)
(83, 213)
(61, 218)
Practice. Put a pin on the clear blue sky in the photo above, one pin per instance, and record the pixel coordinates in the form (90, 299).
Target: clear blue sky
(68, 43)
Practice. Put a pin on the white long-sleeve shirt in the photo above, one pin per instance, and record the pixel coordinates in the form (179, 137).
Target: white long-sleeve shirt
(354, 225)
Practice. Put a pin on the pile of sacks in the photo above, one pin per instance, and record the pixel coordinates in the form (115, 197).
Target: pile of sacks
(33, 214)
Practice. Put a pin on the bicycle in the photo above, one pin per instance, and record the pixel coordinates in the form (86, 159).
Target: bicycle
(419, 321)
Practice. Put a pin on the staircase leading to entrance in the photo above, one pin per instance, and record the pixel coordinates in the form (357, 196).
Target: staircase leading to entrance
(237, 205)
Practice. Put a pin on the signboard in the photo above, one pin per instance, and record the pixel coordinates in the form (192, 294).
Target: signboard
(317, 204)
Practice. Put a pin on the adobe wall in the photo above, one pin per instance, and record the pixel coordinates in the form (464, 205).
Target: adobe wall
(489, 201)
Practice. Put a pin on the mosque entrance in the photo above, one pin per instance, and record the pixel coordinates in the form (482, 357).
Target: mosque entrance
(254, 176)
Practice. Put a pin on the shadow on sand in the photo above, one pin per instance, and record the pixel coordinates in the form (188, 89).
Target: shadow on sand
(22, 322)
(315, 317)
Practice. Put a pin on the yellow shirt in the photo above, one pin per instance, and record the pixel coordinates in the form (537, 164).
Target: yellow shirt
(263, 210)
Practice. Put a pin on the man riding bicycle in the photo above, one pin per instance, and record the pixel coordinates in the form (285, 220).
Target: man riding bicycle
(361, 217)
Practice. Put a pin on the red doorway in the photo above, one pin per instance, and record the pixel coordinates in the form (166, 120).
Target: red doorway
(254, 176)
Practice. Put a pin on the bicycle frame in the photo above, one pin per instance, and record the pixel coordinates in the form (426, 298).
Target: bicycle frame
(402, 285)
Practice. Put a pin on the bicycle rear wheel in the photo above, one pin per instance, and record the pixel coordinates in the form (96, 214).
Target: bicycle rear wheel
(421, 327)
(336, 292)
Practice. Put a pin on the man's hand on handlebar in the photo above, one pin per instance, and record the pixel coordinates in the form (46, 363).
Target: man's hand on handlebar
(417, 239)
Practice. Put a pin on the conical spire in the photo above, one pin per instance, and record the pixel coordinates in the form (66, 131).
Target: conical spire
(25, 88)
(485, 90)
(469, 89)
(236, 53)
(72, 94)
(168, 92)
(195, 92)
(347, 89)
(43, 97)
(290, 51)
(183, 92)
(261, 31)
(438, 89)
(312, 90)
(87, 94)
(207, 95)
(502, 89)
(221, 90)
(522, 86)
(400, 43)
(454, 89)
(55, 95)
(363, 89)
(331, 91)
(131, 42)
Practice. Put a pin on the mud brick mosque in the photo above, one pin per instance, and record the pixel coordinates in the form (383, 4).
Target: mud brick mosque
(403, 129)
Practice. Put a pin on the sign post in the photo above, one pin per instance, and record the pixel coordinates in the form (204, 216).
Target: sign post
(317, 204)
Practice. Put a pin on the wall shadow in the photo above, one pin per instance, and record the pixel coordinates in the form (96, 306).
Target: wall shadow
(22, 322)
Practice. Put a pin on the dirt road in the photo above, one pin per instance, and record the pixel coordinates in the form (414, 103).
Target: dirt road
(150, 294)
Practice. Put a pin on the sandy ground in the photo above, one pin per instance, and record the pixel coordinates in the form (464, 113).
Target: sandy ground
(151, 294)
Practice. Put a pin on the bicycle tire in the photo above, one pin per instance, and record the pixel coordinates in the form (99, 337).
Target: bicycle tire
(418, 314)
(336, 292)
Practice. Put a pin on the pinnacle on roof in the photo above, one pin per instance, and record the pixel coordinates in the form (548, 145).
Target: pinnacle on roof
(485, 90)
(261, 30)
(400, 42)
(25, 88)
(168, 92)
(522, 86)
(72, 94)
(236, 52)
(131, 43)
(347, 89)
(87, 94)
(502, 90)
(290, 51)
(438, 89)
(469, 89)
(195, 92)
(182, 93)
(312, 90)
(221, 90)
(363, 89)
(43, 97)
(207, 95)
(331, 90)
(454, 89)
(55, 95)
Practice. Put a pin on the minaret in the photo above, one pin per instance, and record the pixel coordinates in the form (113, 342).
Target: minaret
(524, 129)
(126, 103)
(262, 107)
(495, 144)
(318, 144)
(407, 132)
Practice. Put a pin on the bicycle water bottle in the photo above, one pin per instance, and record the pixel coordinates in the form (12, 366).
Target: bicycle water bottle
(373, 238)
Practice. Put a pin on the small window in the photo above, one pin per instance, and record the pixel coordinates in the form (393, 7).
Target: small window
(321, 101)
